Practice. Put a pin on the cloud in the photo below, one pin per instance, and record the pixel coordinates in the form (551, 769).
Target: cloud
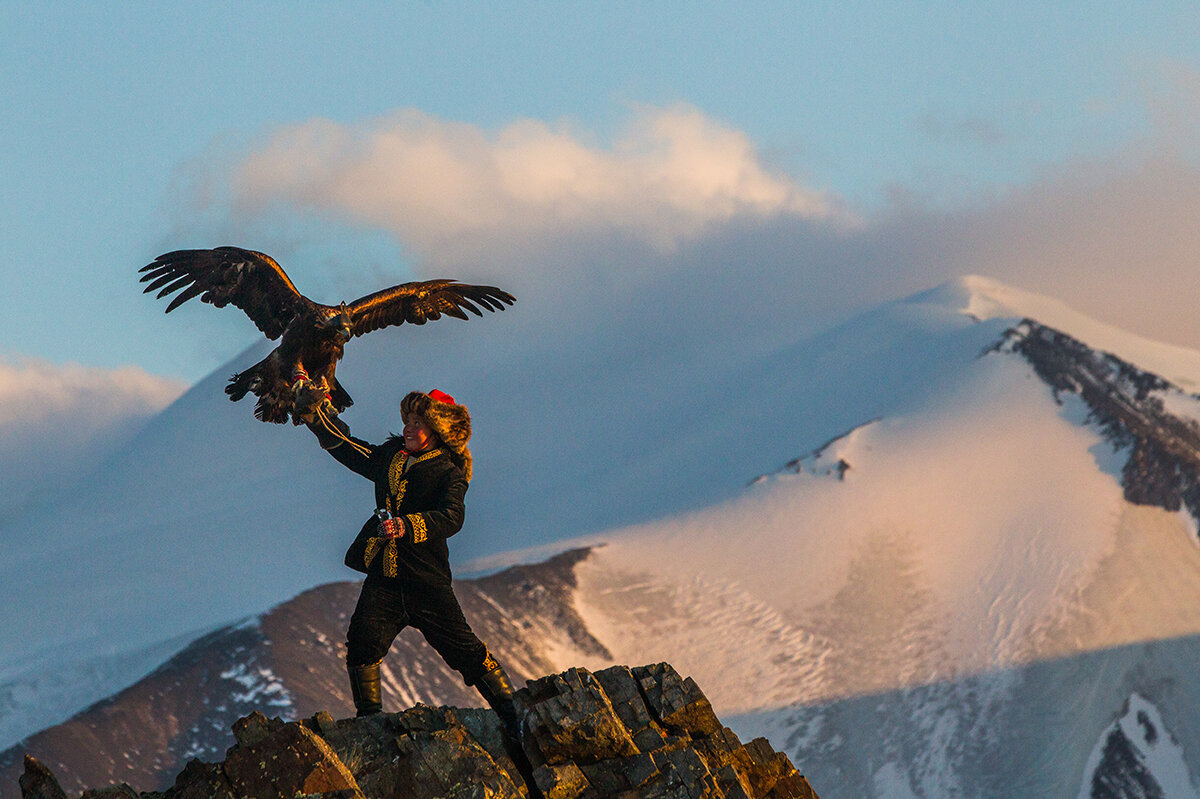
(1117, 238)
(59, 421)
(448, 187)
(680, 233)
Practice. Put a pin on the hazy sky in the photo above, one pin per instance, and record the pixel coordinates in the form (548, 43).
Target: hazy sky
(852, 151)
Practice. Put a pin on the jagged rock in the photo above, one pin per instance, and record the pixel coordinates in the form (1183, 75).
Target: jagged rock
(645, 732)
(200, 780)
(677, 703)
(288, 760)
(38, 783)
(571, 718)
(121, 791)
(256, 727)
(561, 781)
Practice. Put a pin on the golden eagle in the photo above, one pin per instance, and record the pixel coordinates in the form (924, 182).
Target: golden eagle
(313, 335)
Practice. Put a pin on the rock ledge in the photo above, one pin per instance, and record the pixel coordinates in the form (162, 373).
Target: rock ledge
(620, 732)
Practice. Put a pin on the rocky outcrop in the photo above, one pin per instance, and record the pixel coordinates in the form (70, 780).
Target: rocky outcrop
(1127, 405)
(820, 461)
(642, 732)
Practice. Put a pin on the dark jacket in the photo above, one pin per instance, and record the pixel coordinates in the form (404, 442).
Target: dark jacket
(426, 491)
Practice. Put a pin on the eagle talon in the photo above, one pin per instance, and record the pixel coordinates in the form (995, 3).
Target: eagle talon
(310, 397)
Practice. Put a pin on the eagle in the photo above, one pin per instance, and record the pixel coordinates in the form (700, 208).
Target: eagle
(312, 336)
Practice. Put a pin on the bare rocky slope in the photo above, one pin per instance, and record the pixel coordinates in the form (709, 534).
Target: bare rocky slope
(1163, 468)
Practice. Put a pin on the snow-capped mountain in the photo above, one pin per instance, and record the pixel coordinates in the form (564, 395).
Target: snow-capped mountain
(959, 598)
(944, 549)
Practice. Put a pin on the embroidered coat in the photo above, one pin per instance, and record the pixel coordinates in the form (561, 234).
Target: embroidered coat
(426, 491)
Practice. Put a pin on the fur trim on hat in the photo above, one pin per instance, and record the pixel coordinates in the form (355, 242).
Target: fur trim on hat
(451, 423)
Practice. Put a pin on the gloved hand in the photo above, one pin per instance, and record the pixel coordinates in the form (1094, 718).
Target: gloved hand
(309, 396)
(392, 528)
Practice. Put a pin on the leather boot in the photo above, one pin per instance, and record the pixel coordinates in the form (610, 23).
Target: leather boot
(364, 687)
(497, 691)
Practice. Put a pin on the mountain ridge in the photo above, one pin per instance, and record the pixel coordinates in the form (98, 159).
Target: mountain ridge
(981, 531)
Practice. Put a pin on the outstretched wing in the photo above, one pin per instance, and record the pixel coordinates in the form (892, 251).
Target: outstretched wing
(250, 280)
(418, 302)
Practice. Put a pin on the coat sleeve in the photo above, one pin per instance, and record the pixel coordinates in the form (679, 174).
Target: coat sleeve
(446, 517)
(355, 454)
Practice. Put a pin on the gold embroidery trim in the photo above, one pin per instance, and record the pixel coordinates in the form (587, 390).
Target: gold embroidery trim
(371, 551)
(390, 566)
(433, 453)
(390, 559)
(396, 482)
(489, 662)
(419, 532)
(397, 496)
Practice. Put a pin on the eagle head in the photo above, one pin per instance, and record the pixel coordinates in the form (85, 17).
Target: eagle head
(339, 323)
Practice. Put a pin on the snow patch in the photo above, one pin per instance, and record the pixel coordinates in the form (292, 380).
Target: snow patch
(1176, 403)
(260, 686)
(709, 628)
(1190, 526)
(891, 781)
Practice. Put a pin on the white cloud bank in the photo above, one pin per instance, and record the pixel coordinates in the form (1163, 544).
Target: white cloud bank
(451, 186)
(57, 422)
(682, 216)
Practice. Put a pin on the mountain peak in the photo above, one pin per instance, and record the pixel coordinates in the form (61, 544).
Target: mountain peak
(984, 298)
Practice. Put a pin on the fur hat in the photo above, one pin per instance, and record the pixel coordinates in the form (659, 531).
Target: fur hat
(450, 421)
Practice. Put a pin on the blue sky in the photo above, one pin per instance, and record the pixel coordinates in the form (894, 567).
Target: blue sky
(124, 128)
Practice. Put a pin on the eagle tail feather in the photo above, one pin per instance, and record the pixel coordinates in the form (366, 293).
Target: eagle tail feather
(340, 397)
(267, 409)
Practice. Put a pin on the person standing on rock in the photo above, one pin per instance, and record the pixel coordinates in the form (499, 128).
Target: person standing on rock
(420, 479)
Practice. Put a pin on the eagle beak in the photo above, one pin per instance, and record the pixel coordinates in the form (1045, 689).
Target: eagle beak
(344, 332)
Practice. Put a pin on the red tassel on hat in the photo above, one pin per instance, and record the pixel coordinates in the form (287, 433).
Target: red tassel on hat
(441, 396)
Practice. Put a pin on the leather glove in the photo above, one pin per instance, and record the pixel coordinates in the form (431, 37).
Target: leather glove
(309, 396)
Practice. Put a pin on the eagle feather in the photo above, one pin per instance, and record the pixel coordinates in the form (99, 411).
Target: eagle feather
(312, 335)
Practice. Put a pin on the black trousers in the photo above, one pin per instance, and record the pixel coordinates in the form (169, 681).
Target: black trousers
(382, 612)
